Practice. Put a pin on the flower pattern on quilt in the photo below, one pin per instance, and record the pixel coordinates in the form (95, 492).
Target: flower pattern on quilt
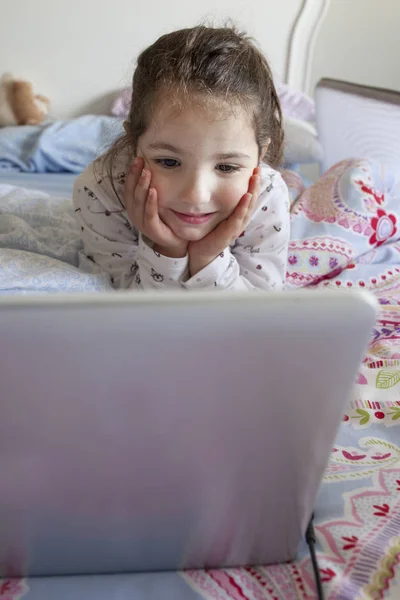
(364, 543)
(315, 259)
(384, 226)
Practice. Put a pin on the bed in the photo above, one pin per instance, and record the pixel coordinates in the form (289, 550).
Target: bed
(345, 234)
(357, 514)
(56, 184)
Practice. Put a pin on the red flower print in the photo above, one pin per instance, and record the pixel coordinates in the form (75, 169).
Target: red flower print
(379, 456)
(353, 455)
(398, 484)
(379, 198)
(384, 226)
(314, 261)
(10, 588)
(327, 574)
(351, 542)
(381, 511)
(292, 260)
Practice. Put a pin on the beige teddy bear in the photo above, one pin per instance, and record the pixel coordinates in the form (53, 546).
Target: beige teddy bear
(19, 105)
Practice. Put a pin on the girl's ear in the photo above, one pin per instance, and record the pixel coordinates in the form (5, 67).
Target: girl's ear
(264, 149)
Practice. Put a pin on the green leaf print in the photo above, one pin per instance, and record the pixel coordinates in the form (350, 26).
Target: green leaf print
(396, 414)
(364, 416)
(387, 379)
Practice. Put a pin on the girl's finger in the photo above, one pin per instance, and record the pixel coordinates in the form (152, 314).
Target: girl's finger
(254, 189)
(131, 181)
(154, 226)
(151, 216)
(152, 222)
(234, 225)
(142, 190)
(242, 208)
(255, 181)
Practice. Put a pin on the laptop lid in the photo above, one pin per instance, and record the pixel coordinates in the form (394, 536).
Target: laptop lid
(149, 432)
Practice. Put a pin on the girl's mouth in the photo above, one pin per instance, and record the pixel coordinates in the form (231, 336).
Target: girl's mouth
(193, 219)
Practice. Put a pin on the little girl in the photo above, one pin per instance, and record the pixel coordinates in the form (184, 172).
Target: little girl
(189, 198)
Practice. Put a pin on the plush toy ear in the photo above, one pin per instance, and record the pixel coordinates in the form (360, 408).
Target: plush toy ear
(43, 99)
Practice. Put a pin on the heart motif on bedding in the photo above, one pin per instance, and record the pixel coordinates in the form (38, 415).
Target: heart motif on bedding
(344, 223)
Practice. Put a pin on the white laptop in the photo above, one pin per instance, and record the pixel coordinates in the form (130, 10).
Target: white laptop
(150, 432)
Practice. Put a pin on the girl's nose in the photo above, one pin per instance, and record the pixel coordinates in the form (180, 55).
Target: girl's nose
(196, 192)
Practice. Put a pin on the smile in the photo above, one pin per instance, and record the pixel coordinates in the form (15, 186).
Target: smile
(193, 219)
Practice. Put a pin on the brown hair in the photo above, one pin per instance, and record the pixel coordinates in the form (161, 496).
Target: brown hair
(222, 64)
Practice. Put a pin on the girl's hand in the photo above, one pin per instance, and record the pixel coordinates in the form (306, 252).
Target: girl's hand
(141, 203)
(204, 251)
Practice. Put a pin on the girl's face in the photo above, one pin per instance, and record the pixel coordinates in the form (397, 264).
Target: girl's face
(201, 161)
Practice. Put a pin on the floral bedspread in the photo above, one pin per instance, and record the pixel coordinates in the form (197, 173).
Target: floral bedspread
(345, 234)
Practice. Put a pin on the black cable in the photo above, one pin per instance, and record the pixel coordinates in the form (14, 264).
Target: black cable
(311, 541)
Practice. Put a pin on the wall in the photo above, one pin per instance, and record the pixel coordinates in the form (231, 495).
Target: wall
(359, 41)
(78, 52)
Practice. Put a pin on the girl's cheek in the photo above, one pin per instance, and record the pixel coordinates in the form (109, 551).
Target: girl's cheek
(233, 193)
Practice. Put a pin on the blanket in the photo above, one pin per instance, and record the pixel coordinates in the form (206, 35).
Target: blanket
(40, 246)
(59, 146)
(345, 234)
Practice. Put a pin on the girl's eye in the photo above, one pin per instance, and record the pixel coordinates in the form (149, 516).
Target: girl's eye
(168, 163)
(227, 168)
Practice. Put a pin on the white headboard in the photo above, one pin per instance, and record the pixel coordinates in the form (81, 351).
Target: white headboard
(79, 52)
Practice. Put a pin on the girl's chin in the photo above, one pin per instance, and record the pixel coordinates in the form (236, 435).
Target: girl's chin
(191, 234)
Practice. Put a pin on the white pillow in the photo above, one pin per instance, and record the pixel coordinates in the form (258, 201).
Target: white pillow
(301, 142)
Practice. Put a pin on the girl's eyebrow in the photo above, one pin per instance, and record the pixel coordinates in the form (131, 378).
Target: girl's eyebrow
(229, 155)
(171, 148)
(165, 146)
